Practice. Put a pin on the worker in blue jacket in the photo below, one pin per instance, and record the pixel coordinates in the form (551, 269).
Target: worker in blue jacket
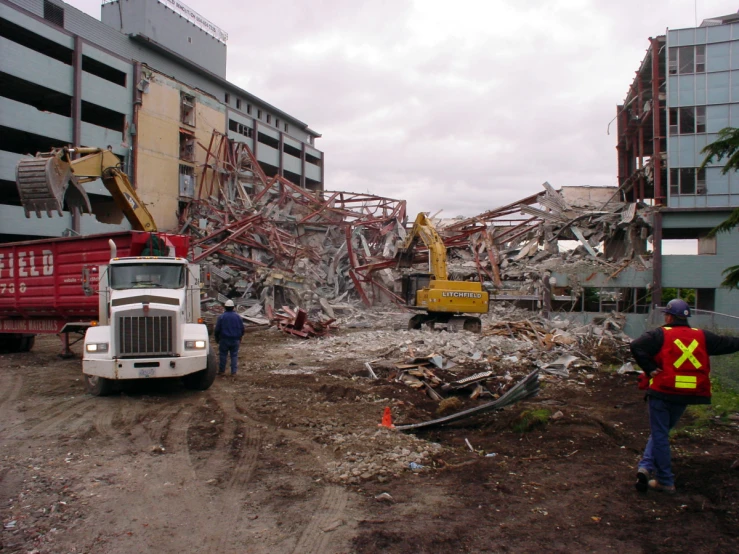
(228, 333)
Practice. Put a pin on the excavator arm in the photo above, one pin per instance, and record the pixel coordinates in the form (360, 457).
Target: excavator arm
(424, 230)
(48, 180)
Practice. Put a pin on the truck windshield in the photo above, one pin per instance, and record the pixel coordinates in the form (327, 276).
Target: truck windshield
(142, 276)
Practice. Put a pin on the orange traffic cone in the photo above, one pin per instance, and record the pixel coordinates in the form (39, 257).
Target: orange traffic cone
(387, 419)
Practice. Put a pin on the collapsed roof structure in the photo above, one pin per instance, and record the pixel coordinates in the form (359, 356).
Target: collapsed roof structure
(269, 243)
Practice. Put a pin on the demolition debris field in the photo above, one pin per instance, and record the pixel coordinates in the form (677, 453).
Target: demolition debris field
(289, 458)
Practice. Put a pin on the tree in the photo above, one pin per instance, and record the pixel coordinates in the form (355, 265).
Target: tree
(726, 146)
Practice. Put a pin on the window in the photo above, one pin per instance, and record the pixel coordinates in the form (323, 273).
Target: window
(189, 40)
(687, 121)
(673, 121)
(238, 103)
(701, 181)
(687, 181)
(286, 128)
(53, 13)
(187, 181)
(187, 109)
(187, 145)
(687, 59)
(269, 118)
(700, 119)
(706, 299)
(259, 114)
(227, 98)
(248, 109)
(277, 123)
(239, 128)
(700, 58)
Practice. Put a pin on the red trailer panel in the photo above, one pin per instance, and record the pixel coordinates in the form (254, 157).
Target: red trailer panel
(41, 280)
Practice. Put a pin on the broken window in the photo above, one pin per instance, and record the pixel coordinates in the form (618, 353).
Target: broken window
(187, 145)
(673, 61)
(687, 121)
(240, 128)
(268, 140)
(700, 119)
(674, 181)
(187, 181)
(312, 160)
(187, 109)
(53, 13)
(686, 59)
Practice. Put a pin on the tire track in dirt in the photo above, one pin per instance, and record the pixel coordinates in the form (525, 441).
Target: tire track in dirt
(216, 466)
(227, 507)
(314, 539)
(10, 390)
(52, 417)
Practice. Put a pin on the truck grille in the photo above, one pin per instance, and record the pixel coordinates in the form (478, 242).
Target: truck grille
(145, 335)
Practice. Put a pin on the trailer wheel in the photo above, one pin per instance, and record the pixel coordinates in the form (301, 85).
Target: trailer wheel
(98, 386)
(203, 379)
(27, 343)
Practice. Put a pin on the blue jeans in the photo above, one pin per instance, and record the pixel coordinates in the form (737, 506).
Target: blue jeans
(226, 347)
(663, 416)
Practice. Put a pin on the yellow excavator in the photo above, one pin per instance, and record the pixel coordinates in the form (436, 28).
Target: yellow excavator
(437, 298)
(52, 179)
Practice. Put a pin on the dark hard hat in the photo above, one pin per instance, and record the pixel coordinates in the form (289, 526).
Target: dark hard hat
(678, 308)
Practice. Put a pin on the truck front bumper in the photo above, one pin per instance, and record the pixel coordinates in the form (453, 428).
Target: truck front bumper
(144, 368)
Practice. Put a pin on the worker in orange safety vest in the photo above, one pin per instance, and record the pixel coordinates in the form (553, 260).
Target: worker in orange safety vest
(677, 367)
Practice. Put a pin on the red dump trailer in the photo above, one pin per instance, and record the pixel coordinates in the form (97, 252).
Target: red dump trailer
(41, 282)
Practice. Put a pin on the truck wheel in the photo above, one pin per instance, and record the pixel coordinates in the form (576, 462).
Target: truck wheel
(98, 386)
(202, 380)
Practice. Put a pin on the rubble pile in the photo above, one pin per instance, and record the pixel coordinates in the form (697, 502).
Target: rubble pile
(266, 242)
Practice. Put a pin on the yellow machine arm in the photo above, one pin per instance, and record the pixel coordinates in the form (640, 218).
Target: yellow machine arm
(423, 229)
(43, 183)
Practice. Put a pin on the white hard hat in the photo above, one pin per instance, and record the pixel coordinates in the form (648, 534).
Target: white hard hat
(229, 303)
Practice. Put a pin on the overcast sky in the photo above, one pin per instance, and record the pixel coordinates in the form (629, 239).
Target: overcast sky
(463, 105)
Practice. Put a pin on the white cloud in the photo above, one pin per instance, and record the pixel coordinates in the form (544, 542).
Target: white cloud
(464, 105)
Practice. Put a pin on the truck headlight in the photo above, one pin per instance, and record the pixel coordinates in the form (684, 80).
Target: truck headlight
(97, 347)
(194, 344)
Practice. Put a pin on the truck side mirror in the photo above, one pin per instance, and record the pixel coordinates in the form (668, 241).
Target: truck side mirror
(86, 286)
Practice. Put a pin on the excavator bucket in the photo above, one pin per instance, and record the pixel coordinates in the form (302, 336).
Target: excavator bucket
(45, 183)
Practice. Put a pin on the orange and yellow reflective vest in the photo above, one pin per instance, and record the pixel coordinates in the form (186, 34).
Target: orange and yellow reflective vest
(684, 362)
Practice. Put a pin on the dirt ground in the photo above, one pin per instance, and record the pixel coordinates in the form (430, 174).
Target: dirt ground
(289, 458)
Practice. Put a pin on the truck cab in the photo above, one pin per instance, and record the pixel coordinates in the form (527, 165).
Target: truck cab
(149, 325)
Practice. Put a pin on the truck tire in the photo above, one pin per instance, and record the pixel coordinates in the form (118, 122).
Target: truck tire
(98, 386)
(202, 380)
(27, 343)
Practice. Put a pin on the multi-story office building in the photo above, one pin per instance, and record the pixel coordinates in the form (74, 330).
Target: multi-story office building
(149, 81)
(685, 91)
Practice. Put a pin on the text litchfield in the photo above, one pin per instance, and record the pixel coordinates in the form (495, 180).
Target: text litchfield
(27, 263)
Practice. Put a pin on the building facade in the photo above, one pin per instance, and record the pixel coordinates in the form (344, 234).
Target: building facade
(148, 81)
(685, 91)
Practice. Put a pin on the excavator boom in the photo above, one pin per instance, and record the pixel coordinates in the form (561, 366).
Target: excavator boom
(48, 181)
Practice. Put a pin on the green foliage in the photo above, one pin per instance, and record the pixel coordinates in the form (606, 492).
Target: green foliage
(669, 293)
(529, 420)
(726, 145)
(725, 401)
